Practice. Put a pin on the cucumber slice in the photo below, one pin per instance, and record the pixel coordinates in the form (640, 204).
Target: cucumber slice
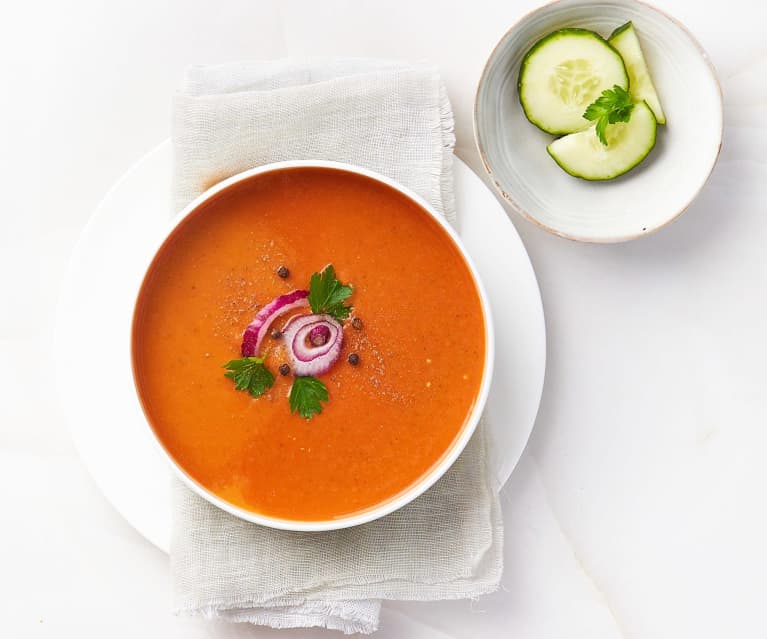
(583, 155)
(562, 74)
(625, 40)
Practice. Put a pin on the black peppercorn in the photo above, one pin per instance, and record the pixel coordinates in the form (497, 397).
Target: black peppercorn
(357, 323)
(276, 334)
(284, 369)
(283, 271)
(354, 359)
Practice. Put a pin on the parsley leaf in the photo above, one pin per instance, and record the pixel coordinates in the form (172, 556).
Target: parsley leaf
(306, 395)
(327, 294)
(250, 374)
(614, 105)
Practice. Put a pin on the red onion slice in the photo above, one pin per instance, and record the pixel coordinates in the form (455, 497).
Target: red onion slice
(258, 329)
(308, 358)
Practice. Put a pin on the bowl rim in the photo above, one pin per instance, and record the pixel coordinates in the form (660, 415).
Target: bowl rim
(587, 238)
(449, 456)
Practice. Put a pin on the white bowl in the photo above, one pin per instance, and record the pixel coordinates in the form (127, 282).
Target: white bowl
(450, 455)
(514, 153)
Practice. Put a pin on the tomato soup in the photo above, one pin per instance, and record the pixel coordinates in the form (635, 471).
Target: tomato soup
(419, 340)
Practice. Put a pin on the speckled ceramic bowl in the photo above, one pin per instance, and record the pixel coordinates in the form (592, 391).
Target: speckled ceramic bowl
(648, 197)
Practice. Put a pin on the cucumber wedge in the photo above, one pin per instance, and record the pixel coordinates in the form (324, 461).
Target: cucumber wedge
(562, 74)
(641, 87)
(584, 156)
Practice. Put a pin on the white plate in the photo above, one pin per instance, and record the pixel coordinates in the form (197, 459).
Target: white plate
(94, 316)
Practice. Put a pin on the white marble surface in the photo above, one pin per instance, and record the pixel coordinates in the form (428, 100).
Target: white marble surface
(637, 510)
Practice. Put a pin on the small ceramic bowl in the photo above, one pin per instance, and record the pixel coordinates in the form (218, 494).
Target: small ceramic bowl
(650, 196)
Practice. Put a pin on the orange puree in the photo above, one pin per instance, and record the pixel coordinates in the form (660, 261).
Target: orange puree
(389, 419)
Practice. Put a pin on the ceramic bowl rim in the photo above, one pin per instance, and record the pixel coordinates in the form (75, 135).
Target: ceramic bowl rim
(575, 236)
(448, 457)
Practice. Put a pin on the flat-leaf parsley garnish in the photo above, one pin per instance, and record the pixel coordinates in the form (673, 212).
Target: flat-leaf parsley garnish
(614, 105)
(250, 374)
(327, 294)
(313, 342)
(306, 395)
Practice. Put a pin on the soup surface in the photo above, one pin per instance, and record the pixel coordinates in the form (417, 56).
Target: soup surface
(388, 420)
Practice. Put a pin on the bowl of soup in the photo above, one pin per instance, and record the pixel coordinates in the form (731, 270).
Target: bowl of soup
(312, 346)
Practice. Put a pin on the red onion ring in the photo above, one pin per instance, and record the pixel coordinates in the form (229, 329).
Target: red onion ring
(257, 330)
(307, 357)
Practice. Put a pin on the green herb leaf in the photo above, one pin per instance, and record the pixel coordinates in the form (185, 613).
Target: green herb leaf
(250, 374)
(327, 294)
(614, 105)
(306, 395)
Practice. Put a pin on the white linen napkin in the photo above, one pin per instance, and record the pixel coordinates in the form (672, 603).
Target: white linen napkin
(447, 544)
